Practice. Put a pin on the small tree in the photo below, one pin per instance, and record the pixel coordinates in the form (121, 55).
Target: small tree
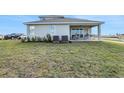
(23, 39)
(33, 39)
(39, 39)
(44, 39)
(28, 39)
(49, 38)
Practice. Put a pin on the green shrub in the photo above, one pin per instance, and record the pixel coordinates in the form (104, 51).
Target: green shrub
(44, 39)
(22, 40)
(49, 38)
(39, 39)
(28, 39)
(36, 38)
(33, 39)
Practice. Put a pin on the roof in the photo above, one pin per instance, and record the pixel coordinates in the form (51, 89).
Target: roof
(51, 16)
(62, 20)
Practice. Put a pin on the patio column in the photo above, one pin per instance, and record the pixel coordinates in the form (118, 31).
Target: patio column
(28, 31)
(99, 31)
(89, 30)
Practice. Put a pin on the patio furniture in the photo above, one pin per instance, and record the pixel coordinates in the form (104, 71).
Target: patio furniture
(73, 37)
(56, 39)
(81, 36)
(64, 39)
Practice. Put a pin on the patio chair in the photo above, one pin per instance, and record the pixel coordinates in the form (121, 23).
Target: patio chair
(64, 39)
(56, 39)
(81, 36)
(73, 37)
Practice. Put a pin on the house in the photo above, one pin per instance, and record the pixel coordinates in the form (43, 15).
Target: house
(56, 25)
(120, 36)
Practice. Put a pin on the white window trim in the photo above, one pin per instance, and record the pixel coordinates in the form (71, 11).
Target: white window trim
(53, 29)
(32, 27)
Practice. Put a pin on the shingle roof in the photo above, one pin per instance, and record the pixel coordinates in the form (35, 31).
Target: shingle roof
(51, 16)
(65, 21)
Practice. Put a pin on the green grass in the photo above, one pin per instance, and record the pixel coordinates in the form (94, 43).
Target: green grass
(88, 59)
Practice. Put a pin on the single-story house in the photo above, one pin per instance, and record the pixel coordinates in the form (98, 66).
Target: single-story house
(56, 25)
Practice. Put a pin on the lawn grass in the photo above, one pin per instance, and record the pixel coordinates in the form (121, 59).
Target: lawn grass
(87, 59)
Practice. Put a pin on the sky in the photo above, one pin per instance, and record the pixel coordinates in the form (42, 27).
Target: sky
(14, 23)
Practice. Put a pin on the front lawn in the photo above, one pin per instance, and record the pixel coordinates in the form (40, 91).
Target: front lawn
(87, 59)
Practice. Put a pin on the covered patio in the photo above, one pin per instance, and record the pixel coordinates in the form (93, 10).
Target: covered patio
(84, 32)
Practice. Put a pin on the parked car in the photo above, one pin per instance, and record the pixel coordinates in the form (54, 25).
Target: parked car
(13, 36)
(23, 36)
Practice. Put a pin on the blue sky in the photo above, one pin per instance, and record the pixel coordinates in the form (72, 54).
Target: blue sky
(14, 24)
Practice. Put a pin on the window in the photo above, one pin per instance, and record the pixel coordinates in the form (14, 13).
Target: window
(53, 29)
(73, 29)
(32, 27)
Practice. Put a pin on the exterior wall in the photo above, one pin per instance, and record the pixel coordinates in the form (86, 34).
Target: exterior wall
(63, 30)
(60, 30)
(38, 30)
(28, 31)
(43, 30)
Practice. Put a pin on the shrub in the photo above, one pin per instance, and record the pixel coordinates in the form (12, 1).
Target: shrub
(28, 39)
(24, 39)
(36, 38)
(49, 39)
(33, 39)
(39, 39)
(44, 39)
